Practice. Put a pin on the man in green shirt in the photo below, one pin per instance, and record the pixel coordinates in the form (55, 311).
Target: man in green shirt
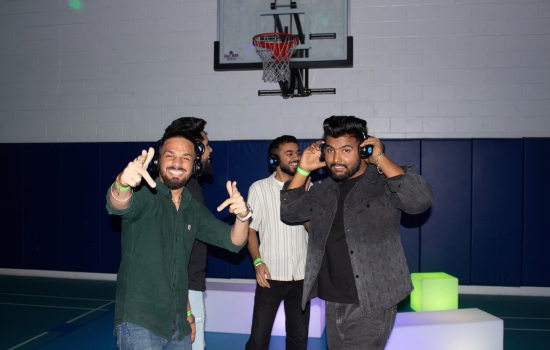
(159, 225)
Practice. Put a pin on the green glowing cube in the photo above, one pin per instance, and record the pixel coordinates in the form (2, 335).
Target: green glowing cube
(434, 291)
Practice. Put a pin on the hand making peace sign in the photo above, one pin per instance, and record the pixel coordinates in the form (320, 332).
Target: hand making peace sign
(136, 170)
(236, 202)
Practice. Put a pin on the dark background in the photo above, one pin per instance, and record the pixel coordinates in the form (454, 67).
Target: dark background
(487, 226)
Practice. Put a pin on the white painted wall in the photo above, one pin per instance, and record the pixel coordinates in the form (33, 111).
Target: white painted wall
(121, 70)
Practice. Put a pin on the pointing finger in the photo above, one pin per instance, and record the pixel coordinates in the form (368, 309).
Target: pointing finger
(147, 177)
(225, 204)
(229, 188)
(148, 158)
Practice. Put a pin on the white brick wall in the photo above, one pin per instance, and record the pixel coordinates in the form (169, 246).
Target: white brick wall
(121, 70)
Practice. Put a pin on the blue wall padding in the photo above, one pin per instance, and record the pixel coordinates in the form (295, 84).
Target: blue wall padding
(42, 206)
(487, 226)
(215, 193)
(12, 238)
(497, 212)
(115, 156)
(81, 249)
(536, 209)
(248, 163)
(404, 152)
(445, 232)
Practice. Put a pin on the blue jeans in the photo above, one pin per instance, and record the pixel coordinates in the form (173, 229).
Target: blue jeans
(196, 298)
(348, 328)
(133, 337)
(266, 304)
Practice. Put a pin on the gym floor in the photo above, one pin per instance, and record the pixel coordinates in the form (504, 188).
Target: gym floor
(58, 314)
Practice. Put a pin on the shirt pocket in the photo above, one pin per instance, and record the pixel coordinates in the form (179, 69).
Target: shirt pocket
(375, 216)
(369, 204)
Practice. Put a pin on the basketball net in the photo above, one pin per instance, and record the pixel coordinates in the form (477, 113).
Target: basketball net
(275, 50)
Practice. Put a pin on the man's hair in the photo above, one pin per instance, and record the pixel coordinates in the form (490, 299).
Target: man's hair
(344, 125)
(178, 133)
(281, 140)
(191, 125)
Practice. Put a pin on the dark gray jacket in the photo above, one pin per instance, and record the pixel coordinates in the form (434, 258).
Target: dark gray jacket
(372, 212)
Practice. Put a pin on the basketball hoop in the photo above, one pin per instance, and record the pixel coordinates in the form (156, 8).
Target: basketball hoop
(275, 50)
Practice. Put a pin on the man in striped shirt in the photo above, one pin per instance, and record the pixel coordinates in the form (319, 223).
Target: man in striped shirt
(280, 259)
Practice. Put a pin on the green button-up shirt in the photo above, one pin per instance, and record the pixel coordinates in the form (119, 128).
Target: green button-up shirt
(157, 240)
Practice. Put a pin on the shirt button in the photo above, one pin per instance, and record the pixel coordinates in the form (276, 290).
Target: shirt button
(351, 251)
(356, 276)
(368, 205)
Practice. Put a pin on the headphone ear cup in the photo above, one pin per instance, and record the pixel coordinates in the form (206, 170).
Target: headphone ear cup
(199, 148)
(273, 160)
(154, 164)
(366, 151)
(197, 163)
(197, 167)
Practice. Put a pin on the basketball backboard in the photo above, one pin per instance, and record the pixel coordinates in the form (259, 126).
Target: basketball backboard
(322, 26)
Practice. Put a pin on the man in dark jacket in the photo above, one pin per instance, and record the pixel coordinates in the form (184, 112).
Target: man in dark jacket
(355, 260)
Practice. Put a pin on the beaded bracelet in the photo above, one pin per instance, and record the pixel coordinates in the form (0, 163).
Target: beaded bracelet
(378, 166)
(118, 200)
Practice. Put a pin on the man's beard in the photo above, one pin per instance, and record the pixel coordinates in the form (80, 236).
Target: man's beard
(346, 174)
(287, 170)
(207, 167)
(171, 183)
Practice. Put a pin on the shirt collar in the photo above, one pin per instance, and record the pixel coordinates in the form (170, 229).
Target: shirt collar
(274, 181)
(162, 188)
(369, 176)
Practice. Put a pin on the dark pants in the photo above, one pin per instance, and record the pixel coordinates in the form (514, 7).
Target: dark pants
(348, 328)
(266, 304)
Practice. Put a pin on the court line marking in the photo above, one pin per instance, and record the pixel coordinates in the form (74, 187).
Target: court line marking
(58, 307)
(527, 329)
(529, 318)
(74, 319)
(89, 312)
(19, 345)
(48, 296)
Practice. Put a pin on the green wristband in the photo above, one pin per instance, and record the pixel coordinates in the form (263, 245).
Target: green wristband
(257, 261)
(302, 171)
(120, 187)
(189, 313)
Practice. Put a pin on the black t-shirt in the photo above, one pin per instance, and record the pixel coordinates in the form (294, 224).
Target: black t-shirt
(336, 282)
(197, 262)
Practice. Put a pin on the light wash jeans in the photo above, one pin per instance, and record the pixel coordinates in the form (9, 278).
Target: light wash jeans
(133, 337)
(196, 298)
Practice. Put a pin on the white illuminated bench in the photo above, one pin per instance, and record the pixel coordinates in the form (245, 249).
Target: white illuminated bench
(461, 329)
(229, 304)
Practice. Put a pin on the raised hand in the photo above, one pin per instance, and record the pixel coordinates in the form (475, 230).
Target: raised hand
(236, 202)
(262, 275)
(309, 160)
(136, 170)
(378, 147)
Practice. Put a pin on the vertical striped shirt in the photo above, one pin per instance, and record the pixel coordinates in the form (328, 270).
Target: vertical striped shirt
(283, 247)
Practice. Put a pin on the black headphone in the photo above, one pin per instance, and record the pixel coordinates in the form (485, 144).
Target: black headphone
(364, 151)
(154, 165)
(273, 160)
